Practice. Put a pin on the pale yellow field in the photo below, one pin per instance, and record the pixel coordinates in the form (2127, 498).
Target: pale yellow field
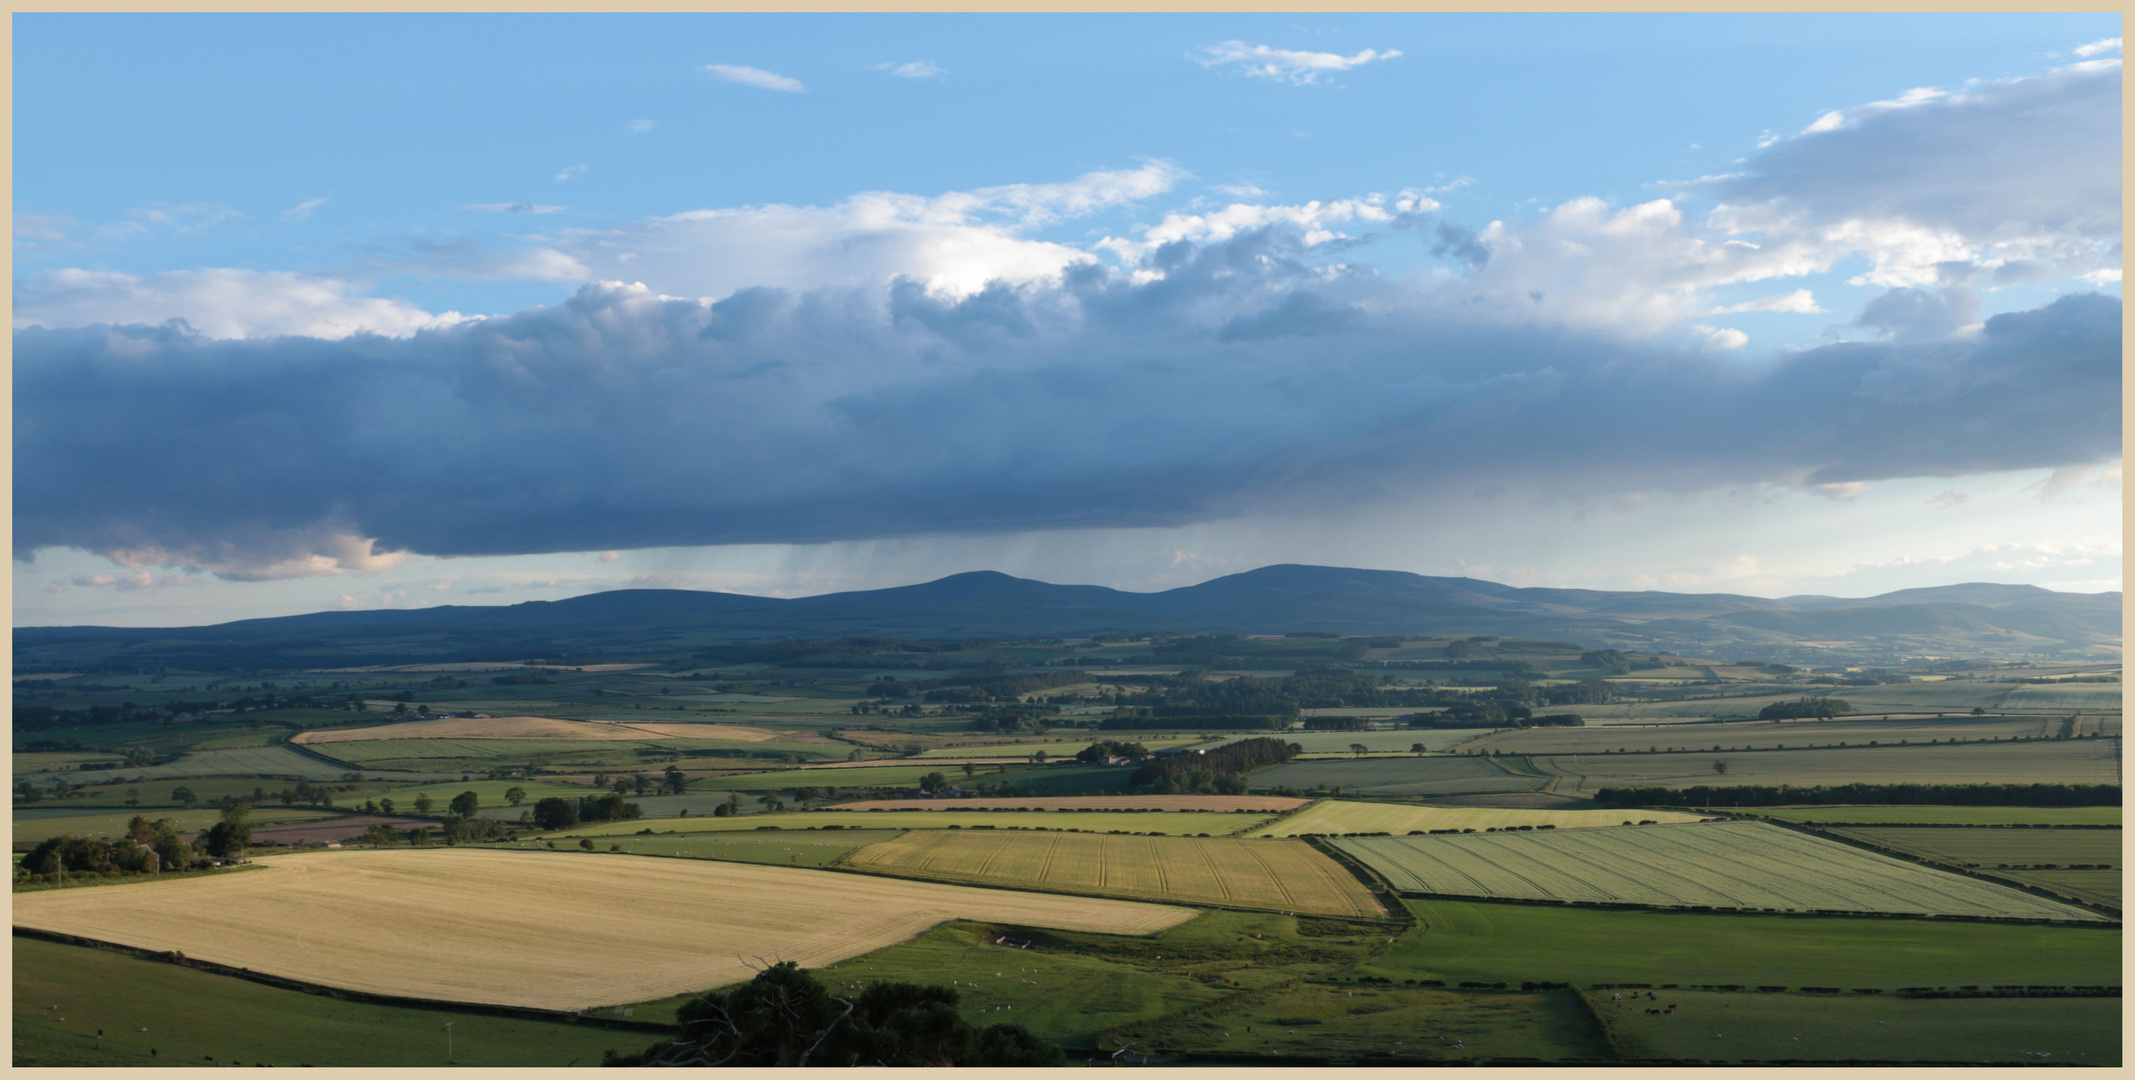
(730, 732)
(1331, 817)
(1282, 875)
(1216, 803)
(551, 930)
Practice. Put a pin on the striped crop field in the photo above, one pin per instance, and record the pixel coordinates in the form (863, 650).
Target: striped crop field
(1206, 803)
(1280, 875)
(1169, 823)
(549, 930)
(1732, 864)
(1335, 817)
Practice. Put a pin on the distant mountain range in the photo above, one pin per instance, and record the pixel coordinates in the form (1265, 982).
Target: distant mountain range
(1972, 620)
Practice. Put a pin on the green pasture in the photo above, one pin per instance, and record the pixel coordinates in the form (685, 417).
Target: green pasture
(1998, 847)
(1353, 1025)
(1731, 1027)
(195, 1018)
(1378, 742)
(1056, 749)
(1945, 815)
(1398, 777)
(2053, 761)
(488, 793)
(2098, 886)
(258, 761)
(1459, 940)
(59, 761)
(1764, 734)
(156, 794)
(1161, 822)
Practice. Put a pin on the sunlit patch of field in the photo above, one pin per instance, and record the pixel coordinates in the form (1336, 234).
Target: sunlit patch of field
(1212, 803)
(1334, 817)
(551, 930)
(1282, 875)
(470, 727)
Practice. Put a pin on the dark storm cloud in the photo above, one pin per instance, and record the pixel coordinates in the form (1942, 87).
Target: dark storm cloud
(1240, 381)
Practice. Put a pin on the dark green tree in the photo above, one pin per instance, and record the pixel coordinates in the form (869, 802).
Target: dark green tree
(464, 803)
(553, 813)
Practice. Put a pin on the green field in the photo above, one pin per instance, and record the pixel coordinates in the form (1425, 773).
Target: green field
(1162, 822)
(2058, 761)
(59, 762)
(1723, 1027)
(1460, 940)
(489, 793)
(446, 754)
(2098, 886)
(1990, 847)
(255, 761)
(1734, 864)
(193, 1016)
(1402, 777)
(1946, 815)
(1354, 1025)
(1961, 695)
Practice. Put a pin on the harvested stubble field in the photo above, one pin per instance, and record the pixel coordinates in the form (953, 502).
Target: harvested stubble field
(2054, 761)
(464, 727)
(1732, 864)
(1334, 817)
(1387, 777)
(1282, 875)
(1207, 803)
(559, 931)
(1167, 822)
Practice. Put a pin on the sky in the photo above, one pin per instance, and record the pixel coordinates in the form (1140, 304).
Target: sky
(362, 311)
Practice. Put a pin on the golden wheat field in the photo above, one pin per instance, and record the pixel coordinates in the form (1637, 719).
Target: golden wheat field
(1334, 817)
(1282, 875)
(551, 930)
(732, 732)
(470, 727)
(1212, 803)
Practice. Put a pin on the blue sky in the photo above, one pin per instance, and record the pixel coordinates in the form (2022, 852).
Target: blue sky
(800, 303)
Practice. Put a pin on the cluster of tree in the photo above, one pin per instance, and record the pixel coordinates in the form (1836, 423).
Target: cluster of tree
(1027, 718)
(1869, 795)
(785, 1017)
(1221, 771)
(1805, 708)
(559, 813)
(1476, 713)
(853, 652)
(148, 847)
(1191, 693)
(527, 678)
(1098, 751)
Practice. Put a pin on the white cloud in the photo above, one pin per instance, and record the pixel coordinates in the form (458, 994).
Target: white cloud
(1721, 337)
(302, 210)
(514, 208)
(2102, 45)
(219, 303)
(757, 77)
(134, 582)
(917, 69)
(640, 127)
(1798, 302)
(955, 242)
(570, 172)
(1288, 65)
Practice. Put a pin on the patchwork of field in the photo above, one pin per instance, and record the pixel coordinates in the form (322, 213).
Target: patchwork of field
(1946, 815)
(2097, 886)
(1214, 803)
(1165, 822)
(1762, 734)
(542, 929)
(1334, 817)
(469, 727)
(2058, 761)
(618, 752)
(1400, 777)
(1950, 696)
(1285, 875)
(786, 847)
(1051, 749)
(2032, 856)
(1732, 864)
(1722, 1027)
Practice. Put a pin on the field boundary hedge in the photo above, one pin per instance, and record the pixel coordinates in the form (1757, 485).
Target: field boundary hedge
(523, 1012)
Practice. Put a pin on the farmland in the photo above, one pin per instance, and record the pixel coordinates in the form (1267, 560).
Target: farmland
(264, 761)
(1331, 816)
(1206, 803)
(2040, 857)
(1405, 777)
(194, 1017)
(1277, 874)
(1738, 864)
(2059, 761)
(1460, 941)
(1764, 734)
(470, 727)
(1374, 1025)
(481, 926)
(29, 829)
(1724, 1027)
(786, 847)
(1947, 815)
(1169, 823)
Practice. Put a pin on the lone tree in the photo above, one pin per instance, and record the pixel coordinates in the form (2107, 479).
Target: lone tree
(230, 836)
(423, 802)
(464, 803)
(1359, 749)
(184, 797)
(784, 1017)
(515, 795)
(1720, 767)
(1416, 749)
